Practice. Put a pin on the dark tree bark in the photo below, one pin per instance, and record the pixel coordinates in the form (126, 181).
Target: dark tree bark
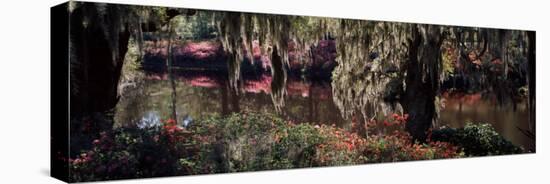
(422, 80)
(95, 71)
(224, 97)
(235, 100)
(531, 38)
(170, 63)
(94, 75)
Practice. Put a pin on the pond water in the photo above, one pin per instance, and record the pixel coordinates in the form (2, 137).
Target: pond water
(505, 119)
(204, 93)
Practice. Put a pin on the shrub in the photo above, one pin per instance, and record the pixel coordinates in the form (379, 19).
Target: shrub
(132, 153)
(296, 145)
(244, 142)
(251, 142)
(239, 142)
(345, 148)
(398, 147)
(477, 140)
(339, 147)
(394, 144)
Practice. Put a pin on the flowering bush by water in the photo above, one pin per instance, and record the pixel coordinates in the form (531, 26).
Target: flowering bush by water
(252, 142)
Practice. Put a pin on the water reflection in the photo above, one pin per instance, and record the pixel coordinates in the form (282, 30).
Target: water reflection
(209, 93)
(460, 109)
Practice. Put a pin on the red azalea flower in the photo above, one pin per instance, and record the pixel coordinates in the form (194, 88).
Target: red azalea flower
(395, 116)
(170, 121)
(350, 146)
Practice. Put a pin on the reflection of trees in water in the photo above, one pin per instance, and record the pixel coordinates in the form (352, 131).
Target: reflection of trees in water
(307, 101)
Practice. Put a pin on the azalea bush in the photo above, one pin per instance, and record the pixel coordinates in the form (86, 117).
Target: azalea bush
(398, 147)
(249, 142)
(239, 142)
(477, 140)
(133, 152)
(253, 142)
(387, 124)
(340, 147)
(390, 144)
(296, 145)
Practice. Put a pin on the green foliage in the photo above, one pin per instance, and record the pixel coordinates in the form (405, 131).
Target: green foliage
(198, 26)
(134, 153)
(398, 147)
(297, 144)
(340, 148)
(243, 141)
(477, 140)
(253, 142)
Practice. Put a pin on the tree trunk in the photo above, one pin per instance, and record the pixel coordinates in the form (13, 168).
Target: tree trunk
(531, 35)
(170, 63)
(224, 94)
(94, 76)
(422, 80)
